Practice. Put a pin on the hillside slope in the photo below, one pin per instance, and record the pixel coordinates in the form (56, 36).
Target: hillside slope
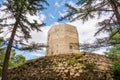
(83, 66)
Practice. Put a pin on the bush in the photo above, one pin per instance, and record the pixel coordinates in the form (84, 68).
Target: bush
(89, 66)
(72, 61)
(116, 70)
(77, 56)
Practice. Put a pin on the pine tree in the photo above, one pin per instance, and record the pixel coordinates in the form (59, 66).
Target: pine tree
(18, 10)
(89, 9)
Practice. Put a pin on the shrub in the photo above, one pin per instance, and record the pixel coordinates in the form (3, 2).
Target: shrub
(116, 70)
(77, 56)
(89, 66)
(72, 61)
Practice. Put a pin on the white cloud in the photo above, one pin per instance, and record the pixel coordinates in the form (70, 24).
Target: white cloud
(37, 55)
(40, 37)
(57, 4)
(72, 3)
(51, 16)
(39, 18)
(62, 14)
(101, 51)
(42, 17)
(87, 30)
(62, 2)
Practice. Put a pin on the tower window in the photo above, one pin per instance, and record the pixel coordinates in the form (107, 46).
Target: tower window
(71, 48)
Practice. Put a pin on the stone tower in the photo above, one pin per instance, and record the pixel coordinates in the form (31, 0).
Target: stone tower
(62, 39)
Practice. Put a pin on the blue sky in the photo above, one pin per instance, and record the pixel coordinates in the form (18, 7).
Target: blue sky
(50, 16)
(55, 9)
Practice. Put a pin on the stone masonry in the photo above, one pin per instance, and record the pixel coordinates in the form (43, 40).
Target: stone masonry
(81, 66)
(62, 38)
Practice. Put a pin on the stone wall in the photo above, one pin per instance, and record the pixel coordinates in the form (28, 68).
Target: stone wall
(83, 66)
(60, 38)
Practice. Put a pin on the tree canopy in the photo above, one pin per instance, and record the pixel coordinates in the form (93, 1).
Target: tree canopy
(17, 10)
(90, 9)
(12, 61)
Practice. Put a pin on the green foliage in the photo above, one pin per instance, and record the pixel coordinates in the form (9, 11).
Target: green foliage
(67, 57)
(2, 55)
(74, 58)
(13, 57)
(114, 36)
(114, 52)
(116, 70)
(11, 64)
(17, 10)
(89, 66)
(14, 60)
(13, 53)
(77, 56)
(19, 60)
(72, 61)
(1, 41)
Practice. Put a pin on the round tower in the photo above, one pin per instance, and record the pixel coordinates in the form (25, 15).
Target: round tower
(62, 39)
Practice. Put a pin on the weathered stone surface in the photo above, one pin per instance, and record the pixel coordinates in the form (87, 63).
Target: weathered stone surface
(62, 38)
(60, 67)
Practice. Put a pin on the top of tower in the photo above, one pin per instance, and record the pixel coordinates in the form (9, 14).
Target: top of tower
(62, 26)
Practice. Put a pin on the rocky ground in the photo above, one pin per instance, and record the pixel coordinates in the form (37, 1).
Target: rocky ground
(82, 66)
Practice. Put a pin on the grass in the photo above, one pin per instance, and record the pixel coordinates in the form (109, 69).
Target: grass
(89, 66)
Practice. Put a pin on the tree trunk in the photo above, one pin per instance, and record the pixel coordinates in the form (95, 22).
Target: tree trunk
(8, 51)
(114, 6)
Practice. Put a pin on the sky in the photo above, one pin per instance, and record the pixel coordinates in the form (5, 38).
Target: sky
(50, 16)
(55, 10)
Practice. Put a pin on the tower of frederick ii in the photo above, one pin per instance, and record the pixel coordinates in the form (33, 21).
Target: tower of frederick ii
(62, 39)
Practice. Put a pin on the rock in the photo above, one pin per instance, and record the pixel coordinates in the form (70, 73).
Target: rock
(57, 68)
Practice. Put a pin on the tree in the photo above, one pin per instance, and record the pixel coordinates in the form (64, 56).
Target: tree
(19, 59)
(2, 51)
(13, 58)
(12, 61)
(86, 9)
(18, 10)
(114, 52)
(116, 69)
